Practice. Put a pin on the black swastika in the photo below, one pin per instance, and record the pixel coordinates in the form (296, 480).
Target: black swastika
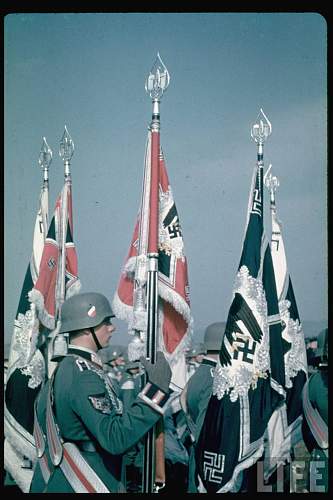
(247, 349)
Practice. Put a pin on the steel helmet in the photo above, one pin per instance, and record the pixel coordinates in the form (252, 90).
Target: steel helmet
(213, 336)
(196, 350)
(131, 365)
(111, 352)
(84, 310)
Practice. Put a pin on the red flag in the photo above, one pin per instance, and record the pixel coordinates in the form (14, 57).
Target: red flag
(58, 269)
(175, 322)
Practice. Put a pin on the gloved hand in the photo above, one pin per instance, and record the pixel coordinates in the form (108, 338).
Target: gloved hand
(158, 373)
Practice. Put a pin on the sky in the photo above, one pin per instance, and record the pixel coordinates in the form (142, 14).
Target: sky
(87, 71)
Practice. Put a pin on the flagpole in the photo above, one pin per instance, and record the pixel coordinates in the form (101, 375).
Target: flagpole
(156, 84)
(45, 158)
(66, 152)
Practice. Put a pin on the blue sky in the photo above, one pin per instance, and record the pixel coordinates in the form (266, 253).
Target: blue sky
(87, 71)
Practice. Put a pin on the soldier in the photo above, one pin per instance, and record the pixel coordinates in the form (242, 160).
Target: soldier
(81, 429)
(175, 450)
(194, 356)
(197, 392)
(311, 347)
(113, 358)
(315, 418)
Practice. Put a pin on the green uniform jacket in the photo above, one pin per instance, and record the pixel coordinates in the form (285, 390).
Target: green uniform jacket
(87, 409)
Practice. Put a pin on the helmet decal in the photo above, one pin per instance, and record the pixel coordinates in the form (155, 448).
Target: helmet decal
(92, 312)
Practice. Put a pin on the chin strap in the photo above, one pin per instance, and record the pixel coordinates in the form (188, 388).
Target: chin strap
(98, 345)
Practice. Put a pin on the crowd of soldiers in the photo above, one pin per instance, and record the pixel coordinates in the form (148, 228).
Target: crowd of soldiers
(92, 415)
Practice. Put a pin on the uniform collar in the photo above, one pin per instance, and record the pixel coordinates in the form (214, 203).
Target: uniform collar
(85, 353)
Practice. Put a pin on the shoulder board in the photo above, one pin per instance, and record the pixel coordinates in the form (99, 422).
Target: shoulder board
(83, 364)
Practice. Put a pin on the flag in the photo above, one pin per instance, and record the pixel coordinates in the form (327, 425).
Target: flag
(174, 314)
(26, 365)
(58, 276)
(284, 428)
(248, 381)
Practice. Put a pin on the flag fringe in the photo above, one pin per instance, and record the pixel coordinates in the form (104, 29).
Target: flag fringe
(170, 296)
(176, 300)
(37, 298)
(129, 267)
(73, 288)
(122, 310)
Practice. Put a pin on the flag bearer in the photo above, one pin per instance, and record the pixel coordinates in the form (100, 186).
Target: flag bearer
(81, 429)
(197, 392)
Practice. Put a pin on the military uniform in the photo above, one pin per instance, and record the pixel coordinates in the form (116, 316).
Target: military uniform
(193, 356)
(315, 429)
(90, 414)
(194, 401)
(315, 418)
(175, 451)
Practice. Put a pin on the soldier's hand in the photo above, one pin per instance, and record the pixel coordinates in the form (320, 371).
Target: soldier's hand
(158, 373)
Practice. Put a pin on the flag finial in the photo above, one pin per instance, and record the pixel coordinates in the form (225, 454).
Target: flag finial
(156, 84)
(66, 150)
(271, 182)
(158, 79)
(260, 131)
(45, 158)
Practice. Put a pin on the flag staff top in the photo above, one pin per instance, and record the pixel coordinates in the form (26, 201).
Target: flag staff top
(156, 84)
(272, 183)
(260, 132)
(44, 160)
(66, 152)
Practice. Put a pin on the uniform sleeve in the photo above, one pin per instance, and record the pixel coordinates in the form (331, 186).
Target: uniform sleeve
(116, 433)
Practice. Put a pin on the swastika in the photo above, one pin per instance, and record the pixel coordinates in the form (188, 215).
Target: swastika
(257, 202)
(213, 466)
(51, 263)
(246, 347)
(174, 230)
